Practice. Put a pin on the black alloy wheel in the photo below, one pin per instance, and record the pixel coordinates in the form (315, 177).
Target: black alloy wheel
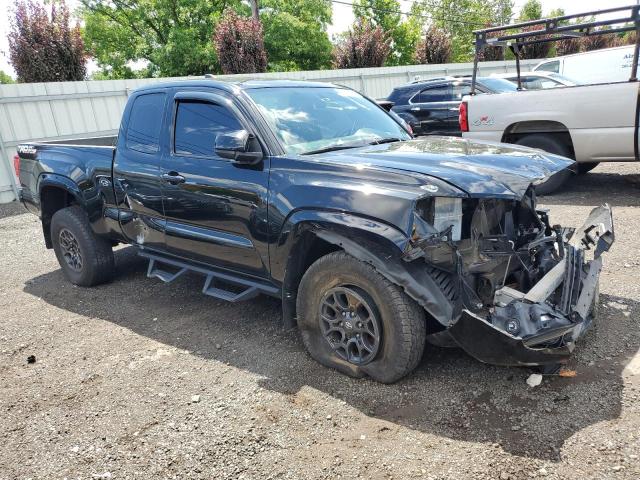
(70, 250)
(349, 322)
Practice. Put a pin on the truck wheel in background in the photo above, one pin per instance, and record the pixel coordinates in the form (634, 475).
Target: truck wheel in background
(85, 258)
(354, 320)
(549, 144)
(586, 167)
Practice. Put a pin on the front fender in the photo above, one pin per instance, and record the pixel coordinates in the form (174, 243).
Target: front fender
(368, 240)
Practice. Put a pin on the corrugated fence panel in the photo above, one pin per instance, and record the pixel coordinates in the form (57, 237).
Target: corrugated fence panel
(66, 110)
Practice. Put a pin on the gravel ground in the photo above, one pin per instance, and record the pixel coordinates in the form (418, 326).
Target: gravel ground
(137, 379)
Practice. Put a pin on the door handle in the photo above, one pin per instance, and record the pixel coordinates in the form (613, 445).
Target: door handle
(415, 109)
(173, 178)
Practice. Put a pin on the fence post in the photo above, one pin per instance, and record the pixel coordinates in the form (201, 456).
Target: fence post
(9, 167)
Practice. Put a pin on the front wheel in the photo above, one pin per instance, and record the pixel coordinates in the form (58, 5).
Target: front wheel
(551, 145)
(354, 320)
(85, 258)
(586, 167)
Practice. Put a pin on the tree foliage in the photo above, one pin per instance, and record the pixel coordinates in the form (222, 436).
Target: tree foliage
(597, 42)
(239, 44)
(43, 45)
(446, 14)
(363, 46)
(536, 50)
(435, 47)
(531, 10)
(568, 46)
(172, 37)
(5, 78)
(404, 33)
(295, 34)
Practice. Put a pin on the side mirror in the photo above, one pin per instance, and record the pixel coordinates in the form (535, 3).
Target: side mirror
(239, 146)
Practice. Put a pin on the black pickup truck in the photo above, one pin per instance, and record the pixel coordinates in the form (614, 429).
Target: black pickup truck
(375, 241)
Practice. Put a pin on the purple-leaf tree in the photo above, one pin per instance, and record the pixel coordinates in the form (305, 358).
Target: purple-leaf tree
(435, 47)
(239, 43)
(363, 46)
(43, 44)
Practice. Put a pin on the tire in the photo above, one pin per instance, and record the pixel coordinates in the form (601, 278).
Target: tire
(73, 239)
(551, 145)
(586, 167)
(401, 321)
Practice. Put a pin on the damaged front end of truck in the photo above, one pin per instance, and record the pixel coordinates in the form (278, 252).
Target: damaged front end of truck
(521, 290)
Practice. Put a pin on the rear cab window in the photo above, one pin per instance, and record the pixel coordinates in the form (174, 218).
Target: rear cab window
(145, 122)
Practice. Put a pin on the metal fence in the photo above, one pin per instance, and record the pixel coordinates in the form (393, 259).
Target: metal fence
(68, 110)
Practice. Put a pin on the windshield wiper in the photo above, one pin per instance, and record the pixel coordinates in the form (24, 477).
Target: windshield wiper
(333, 148)
(385, 140)
(344, 146)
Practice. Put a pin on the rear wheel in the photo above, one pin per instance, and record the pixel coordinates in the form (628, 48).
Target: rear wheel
(551, 145)
(85, 258)
(586, 167)
(354, 320)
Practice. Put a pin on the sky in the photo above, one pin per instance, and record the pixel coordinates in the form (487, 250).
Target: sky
(342, 17)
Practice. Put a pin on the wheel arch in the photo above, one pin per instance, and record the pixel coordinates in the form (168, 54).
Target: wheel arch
(316, 234)
(55, 192)
(555, 129)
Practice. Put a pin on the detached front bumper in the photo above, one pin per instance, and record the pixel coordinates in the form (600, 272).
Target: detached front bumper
(547, 330)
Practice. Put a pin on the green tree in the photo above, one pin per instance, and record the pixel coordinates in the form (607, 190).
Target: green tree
(460, 17)
(5, 78)
(403, 33)
(295, 34)
(532, 10)
(172, 36)
(557, 12)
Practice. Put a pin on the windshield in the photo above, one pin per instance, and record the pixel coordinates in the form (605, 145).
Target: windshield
(498, 85)
(308, 119)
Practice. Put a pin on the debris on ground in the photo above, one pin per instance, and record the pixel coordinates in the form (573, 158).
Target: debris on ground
(534, 380)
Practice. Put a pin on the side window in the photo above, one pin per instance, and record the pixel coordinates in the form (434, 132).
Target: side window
(461, 90)
(531, 83)
(441, 93)
(550, 66)
(198, 124)
(145, 120)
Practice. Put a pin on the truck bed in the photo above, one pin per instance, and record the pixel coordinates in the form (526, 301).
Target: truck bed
(601, 119)
(80, 162)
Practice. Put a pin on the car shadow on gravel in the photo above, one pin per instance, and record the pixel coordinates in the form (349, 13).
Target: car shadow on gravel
(450, 394)
(598, 187)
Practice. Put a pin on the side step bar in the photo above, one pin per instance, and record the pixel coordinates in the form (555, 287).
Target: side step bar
(212, 287)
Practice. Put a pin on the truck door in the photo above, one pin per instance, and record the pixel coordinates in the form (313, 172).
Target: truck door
(212, 205)
(136, 170)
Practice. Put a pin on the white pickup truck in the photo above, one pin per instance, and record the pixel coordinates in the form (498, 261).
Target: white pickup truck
(588, 123)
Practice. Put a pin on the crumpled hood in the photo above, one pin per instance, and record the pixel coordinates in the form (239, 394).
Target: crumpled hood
(482, 169)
